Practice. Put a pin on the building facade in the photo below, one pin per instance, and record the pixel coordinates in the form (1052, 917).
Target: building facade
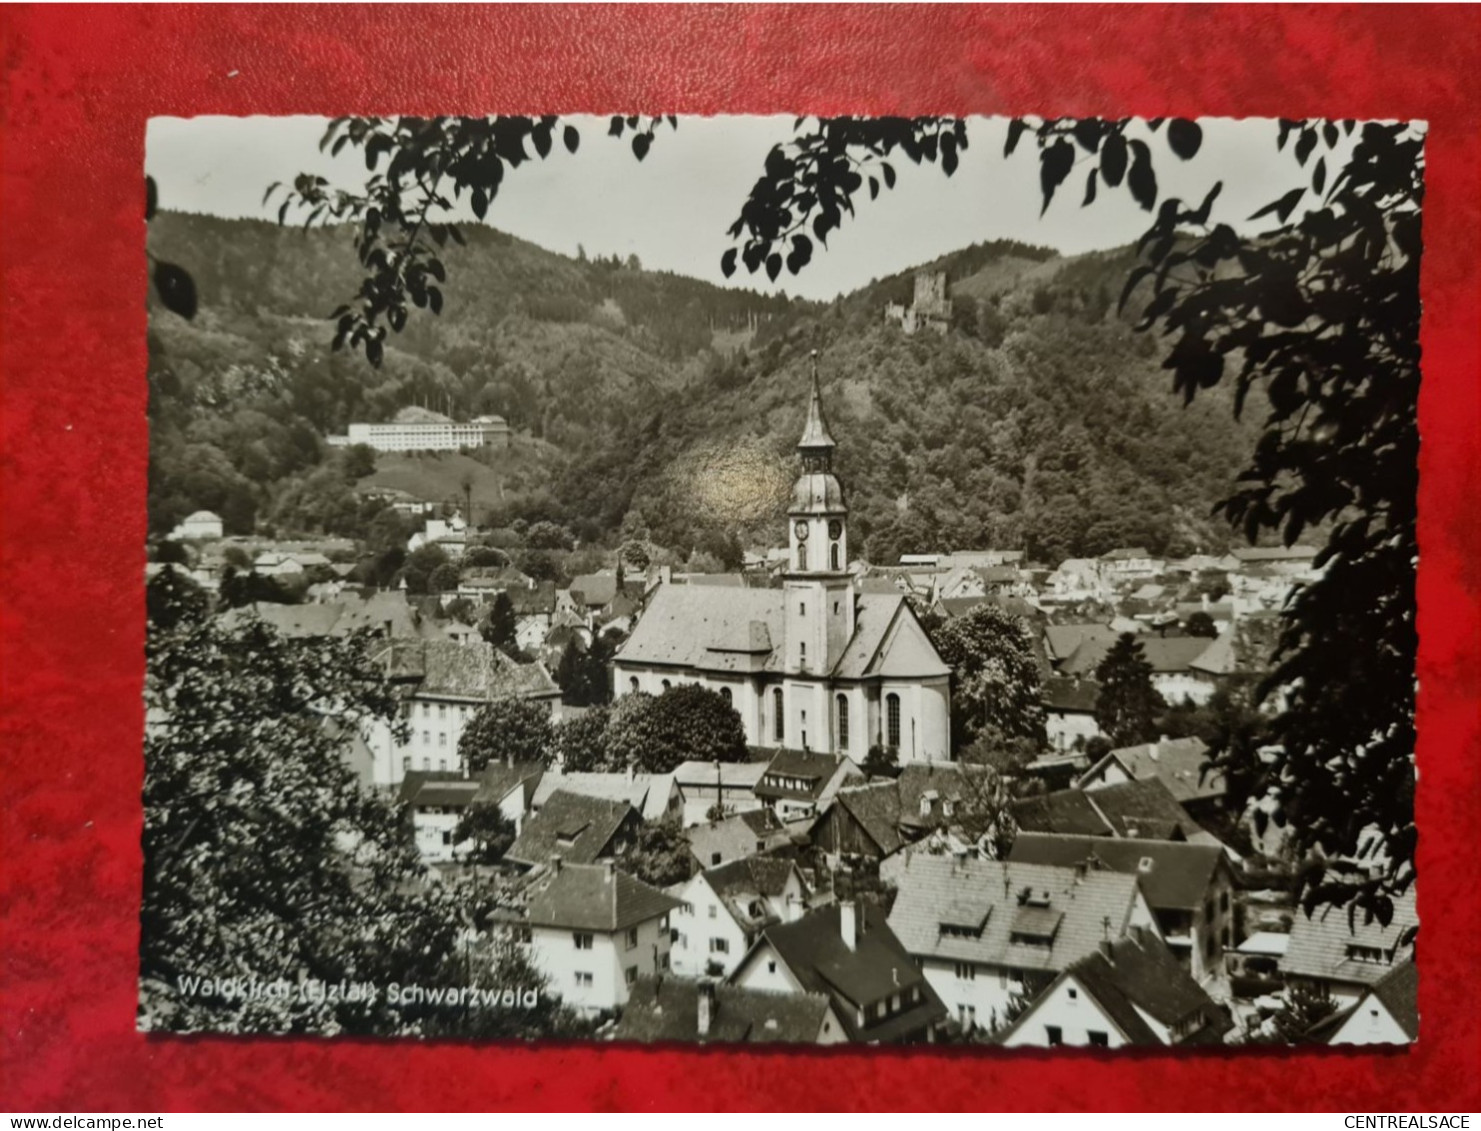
(814, 665)
(418, 430)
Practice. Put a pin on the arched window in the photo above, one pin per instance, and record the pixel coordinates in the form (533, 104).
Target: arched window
(843, 722)
(833, 556)
(725, 694)
(802, 557)
(892, 720)
(632, 685)
(666, 685)
(779, 718)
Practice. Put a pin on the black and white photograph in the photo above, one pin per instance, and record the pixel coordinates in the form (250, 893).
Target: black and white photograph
(783, 580)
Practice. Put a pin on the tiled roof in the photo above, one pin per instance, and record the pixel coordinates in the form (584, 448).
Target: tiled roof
(1275, 553)
(876, 969)
(876, 808)
(691, 775)
(737, 837)
(1144, 810)
(1325, 946)
(595, 897)
(944, 889)
(579, 829)
(1065, 811)
(949, 781)
(413, 781)
(1174, 875)
(477, 671)
(1124, 553)
(533, 600)
(498, 780)
(1178, 763)
(761, 875)
(1398, 990)
(1169, 654)
(667, 1009)
(611, 786)
(815, 771)
(1064, 640)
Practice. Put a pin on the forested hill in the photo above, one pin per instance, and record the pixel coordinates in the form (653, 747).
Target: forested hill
(666, 407)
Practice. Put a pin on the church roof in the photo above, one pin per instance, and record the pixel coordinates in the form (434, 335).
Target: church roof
(815, 431)
(723, 630)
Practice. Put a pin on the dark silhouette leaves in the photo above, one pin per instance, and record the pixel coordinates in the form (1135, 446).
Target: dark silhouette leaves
(176, 289)
(1184, 137)
(1054, 166)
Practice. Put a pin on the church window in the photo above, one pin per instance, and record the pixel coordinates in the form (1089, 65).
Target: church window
(725, 694)
(666, 685)
(802, 608)
(843, 722)
(632, 685)
(779, 719)
(802, 653)
(802, 557)
(892, 719)
(833, 555)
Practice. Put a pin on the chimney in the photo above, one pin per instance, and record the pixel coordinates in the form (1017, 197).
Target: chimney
(1155, 750)
(706, 1007)
(848, 923)
(609, 870)
(555, 863)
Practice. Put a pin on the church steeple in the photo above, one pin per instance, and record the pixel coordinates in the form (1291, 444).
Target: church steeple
(816, 444)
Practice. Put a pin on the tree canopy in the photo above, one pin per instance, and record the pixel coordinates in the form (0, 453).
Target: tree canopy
(686, 723)
(1127, 706)
(507, 730)
(995, 676)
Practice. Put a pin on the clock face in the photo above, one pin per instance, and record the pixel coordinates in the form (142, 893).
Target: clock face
(801, 529)
(835, 529)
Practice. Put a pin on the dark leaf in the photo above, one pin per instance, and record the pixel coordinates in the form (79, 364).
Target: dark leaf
(1184, 137)
(773, 266)
(151, 199)
(1140, 178)
(1054, 166)
(1113, 159)
(480, 202)
(1087, 132)
(1305, 144)
(1136, 276)
(374, 352)
(1090, 189)
(572, 138)
(889, 174)
(1319, 175)
(542, 140)
(873, 188)
(1329, 133)
(615, 129)
(727, 262)
(1282, 207)
(176, 289)
(641, 142)
(434, 299)
(1015, 131)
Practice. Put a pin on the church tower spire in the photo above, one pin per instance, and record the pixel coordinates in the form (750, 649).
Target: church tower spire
(816, 444)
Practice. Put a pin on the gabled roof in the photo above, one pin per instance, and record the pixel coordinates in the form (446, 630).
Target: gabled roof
(1174, 875)
(498, 781)
(1070, 696)
(1144, 810)
(1125, 553)
(594, 897)
(754, 876)
(876, 969)
(1137, 977)
(737, 775)
(876, 809)
(1325, 946)
(936, 891)
(737, 837)
(1398, 992)
(813, 771)
(667, 1009)
(634, 789)
(1170, 654)
(413, 781)
(1275, 553)
(1178, 763)
(579, 829)
(937, 783)
(1063, 640)
(533, 600)
(1065, 811)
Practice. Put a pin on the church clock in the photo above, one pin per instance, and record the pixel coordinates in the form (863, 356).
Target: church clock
(835, 529)
(801, 531)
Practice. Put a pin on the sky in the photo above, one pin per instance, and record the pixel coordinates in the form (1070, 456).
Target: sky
(672, 209)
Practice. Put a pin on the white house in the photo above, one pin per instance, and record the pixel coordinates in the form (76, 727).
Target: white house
(987, 931)
(813, 665)
(731, 785)
(594, 930)
(202, 526)
(1348, 958)
(724, 909)
(1388, 1014)
(1130, 991)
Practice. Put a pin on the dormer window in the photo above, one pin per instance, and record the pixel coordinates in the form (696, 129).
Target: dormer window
(1144, 864)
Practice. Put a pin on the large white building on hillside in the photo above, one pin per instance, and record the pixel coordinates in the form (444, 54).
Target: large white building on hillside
(421, 430)
(813, 665)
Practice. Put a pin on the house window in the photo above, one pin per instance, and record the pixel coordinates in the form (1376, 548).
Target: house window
(1074, 993)
(725, 694)
(715, 859)
(1053, 1035)
(426, 738)
(1144, 864)
(442, 739)
(442, 710)
(802, 654)
(583, 980)
(892, 719)
(1098, 1040)
(406, 764)
(442, 764)
(771, 966)
(719, 946)
(447, 838)
(632, 938)
(833, 557)
(966, 971)
(582, 941)
(802, 608)
(779, 719)
(843, 722)
(632, 685)
(666, 685)
(714, 913)
(802, 557)
(1224, 901)
(631, 974)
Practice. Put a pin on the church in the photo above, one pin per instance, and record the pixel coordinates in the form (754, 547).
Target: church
(812, 665)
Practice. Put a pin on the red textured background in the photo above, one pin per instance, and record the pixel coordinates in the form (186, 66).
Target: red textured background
(79, 86)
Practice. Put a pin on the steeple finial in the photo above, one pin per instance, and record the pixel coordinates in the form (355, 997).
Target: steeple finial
(815, 433)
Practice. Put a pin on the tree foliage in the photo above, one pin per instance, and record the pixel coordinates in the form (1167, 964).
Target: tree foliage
(500, 627)
(580, 742)
(995, 677)
(660, 855)
(484, 826)
(507, 730)
(1127, 706)
(686, 723)
(172, 599)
